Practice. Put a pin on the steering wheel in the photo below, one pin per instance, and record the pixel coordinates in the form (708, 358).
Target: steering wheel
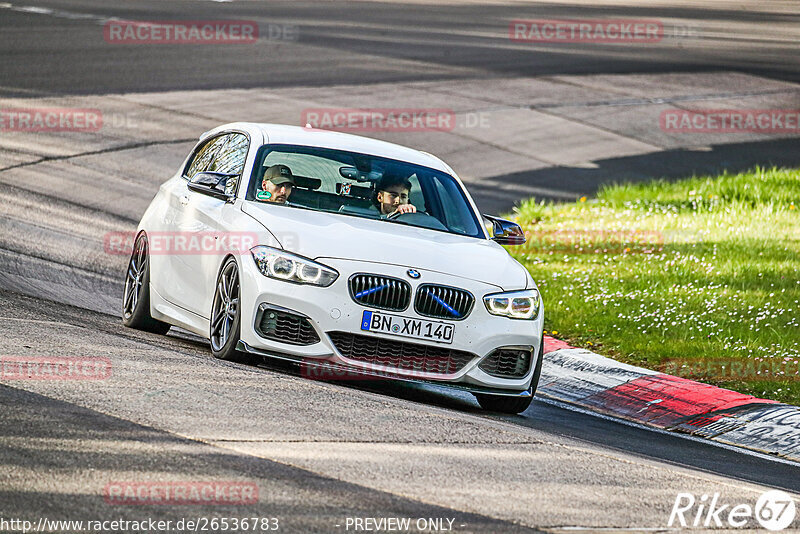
(418, 218)
(396, 214)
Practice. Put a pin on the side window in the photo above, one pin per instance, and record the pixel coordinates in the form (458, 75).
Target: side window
(415, 196)
(203, 156)
(457, 214)
(230, 159)
(310, 166)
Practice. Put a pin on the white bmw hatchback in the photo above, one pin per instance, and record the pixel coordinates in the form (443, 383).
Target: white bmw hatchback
(286, 242)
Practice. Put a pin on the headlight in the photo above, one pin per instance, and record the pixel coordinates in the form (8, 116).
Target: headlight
(282, 265)
(514, 304)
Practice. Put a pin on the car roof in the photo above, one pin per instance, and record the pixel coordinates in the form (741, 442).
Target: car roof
(296, 135)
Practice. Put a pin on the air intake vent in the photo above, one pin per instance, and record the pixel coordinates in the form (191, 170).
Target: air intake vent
(508, 363)
(443, 302)
(380, 292)
(281, 325)
(399, 354)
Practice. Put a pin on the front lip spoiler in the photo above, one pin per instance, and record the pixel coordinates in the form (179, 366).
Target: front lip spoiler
(336, 367)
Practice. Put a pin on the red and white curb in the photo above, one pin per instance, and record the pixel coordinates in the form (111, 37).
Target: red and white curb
(599, 384)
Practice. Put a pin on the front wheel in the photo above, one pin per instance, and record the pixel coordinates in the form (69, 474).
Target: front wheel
(136, 297)
(226, 315)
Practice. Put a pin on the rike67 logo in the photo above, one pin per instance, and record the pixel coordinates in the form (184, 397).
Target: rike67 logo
(774, 510)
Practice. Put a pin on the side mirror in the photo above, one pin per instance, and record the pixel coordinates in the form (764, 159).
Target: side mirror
(506, 232)
(212, 184)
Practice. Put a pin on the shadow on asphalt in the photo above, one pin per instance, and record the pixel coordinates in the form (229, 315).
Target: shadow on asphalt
(667, 164)
(554, 421)
(57, 460)
(560, 421)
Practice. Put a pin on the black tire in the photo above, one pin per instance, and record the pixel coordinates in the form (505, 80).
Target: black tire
(136, 297)
(225, 328)
(513, 405)
(537, 372)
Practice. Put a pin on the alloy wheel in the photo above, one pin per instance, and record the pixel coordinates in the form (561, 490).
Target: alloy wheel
(225, 307)
(134, 279)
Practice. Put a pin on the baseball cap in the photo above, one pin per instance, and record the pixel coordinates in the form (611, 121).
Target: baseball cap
(279, 174)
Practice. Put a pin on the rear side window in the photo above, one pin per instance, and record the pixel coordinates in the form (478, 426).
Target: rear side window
(230, 159)
(230, 156)
(203, 156)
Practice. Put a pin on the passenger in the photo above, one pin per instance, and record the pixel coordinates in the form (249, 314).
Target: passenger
(391, 196)
(277, 184)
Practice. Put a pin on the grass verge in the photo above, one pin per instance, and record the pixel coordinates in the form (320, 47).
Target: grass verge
(698, 278)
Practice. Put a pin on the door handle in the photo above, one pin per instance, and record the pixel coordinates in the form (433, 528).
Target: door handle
(184, 200)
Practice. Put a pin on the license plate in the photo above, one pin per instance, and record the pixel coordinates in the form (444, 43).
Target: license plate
(396, 325)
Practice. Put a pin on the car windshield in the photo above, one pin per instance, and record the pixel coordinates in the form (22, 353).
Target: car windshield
(361, 185)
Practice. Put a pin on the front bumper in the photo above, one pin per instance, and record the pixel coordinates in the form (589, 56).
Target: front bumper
(331, 309)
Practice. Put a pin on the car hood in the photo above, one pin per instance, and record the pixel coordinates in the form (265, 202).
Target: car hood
(320, 235)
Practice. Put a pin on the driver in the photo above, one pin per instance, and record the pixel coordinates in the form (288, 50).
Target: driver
(277, 184)
(392, 196)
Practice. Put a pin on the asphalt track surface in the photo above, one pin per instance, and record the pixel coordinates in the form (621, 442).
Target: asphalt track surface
(377, 42)
(318, 452)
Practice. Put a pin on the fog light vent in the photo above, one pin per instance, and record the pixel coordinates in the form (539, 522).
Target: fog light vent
(284, 326)
(508, 363)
